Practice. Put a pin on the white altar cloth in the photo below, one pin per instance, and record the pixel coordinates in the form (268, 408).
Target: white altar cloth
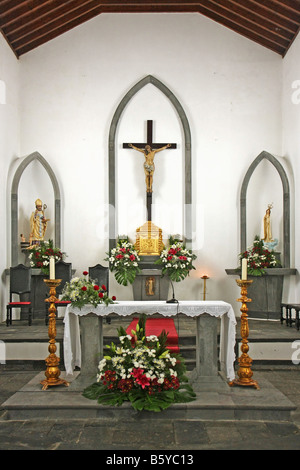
(72, 345)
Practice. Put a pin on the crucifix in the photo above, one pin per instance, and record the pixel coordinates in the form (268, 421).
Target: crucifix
(149, 149)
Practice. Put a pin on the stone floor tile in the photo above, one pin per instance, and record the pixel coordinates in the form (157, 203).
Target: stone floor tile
(190, 432)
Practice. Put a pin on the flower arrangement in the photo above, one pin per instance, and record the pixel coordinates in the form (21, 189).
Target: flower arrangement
(176, 260)
(39, 255)
(124, 262)
(82, 290)
(141, 370)
(259, 258)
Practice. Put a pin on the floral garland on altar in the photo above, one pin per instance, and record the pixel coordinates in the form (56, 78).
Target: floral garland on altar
(142, 371)
(39, 255)
(124, 262)
(82, 291)
(259, 258)
(176, 261)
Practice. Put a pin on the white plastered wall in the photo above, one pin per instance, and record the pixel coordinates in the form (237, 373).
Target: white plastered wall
(230, 89)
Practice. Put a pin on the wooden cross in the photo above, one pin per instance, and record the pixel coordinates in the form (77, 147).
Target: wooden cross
(149, 140)
(153, 146)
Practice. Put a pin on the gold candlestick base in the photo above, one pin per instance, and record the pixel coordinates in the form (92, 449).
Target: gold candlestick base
(52, 361)
(245, 373)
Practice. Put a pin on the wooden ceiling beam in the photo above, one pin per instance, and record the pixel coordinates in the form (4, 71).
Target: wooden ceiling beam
(217, 9)
(17, 9)
(28, 24)
(246, 16)
(267, 16)
(281, 7)
(22, 26)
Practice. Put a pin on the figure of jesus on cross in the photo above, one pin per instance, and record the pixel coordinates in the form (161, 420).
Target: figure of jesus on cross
(149, 149)
(149, 166)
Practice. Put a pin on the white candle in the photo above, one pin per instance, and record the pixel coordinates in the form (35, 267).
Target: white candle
(244, 269)
(52, 268)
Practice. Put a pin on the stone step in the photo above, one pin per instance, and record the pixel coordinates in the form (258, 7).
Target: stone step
(215, 400)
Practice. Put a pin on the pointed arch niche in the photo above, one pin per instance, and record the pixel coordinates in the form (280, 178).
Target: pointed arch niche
(286, 204)
(187, 199)
(36, 156)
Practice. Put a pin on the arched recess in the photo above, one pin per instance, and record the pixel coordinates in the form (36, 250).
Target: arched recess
(286, 204)
(187, 156)
(14, 202)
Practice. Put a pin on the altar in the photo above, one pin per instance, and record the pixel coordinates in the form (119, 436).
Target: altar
(83, 334)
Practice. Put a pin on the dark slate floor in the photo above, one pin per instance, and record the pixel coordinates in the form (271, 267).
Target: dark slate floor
(146, 439)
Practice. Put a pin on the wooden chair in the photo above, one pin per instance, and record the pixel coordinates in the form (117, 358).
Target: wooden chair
(63, 271)
(289, 319)
(20, 284)
(100, 274)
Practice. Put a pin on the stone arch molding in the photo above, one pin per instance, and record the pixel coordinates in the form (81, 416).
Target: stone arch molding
(187, 155)
(286, 204)
(14, 202)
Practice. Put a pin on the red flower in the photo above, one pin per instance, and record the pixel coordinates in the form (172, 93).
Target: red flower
(137, 372)
(169, 258)
(120, 256)
(132, 257)
(96, 287)
(103, 287)
(101, 295)
(114, 298)
(84, 288)
(85, 273)
(143, 381)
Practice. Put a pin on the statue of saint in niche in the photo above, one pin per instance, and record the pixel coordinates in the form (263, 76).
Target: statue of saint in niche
(38, 223)
(267, 225)
(268, 240)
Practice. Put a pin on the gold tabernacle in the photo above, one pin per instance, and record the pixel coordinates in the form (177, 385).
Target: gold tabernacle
(149, 240)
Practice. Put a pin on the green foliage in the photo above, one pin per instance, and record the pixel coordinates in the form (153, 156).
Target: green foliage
(123, 261)
(259, 258)
(177, 261)
(142, 371)
(39, 255)
(82, 291)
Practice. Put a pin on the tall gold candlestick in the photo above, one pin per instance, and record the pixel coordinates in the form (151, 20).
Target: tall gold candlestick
(204, 277)
(52, 361)
(245, 373)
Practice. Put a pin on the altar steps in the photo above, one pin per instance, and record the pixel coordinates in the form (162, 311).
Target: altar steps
(270, 343)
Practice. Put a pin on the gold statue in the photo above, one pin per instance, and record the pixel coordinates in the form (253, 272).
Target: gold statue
(38, 222)
(150, 286)
(267, 225)
(149, 167)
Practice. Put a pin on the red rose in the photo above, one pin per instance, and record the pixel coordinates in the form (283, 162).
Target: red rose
(114, 298)
(83, 288)
(96, 287)
(101, 295)
(103, 287)
(85, 273)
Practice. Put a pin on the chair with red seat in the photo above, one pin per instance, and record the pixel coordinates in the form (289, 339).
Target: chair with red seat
(63, 271)
(20, 285)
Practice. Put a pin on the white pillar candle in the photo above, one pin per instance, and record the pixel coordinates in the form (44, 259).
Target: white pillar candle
(244, 269)
(52, 268)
